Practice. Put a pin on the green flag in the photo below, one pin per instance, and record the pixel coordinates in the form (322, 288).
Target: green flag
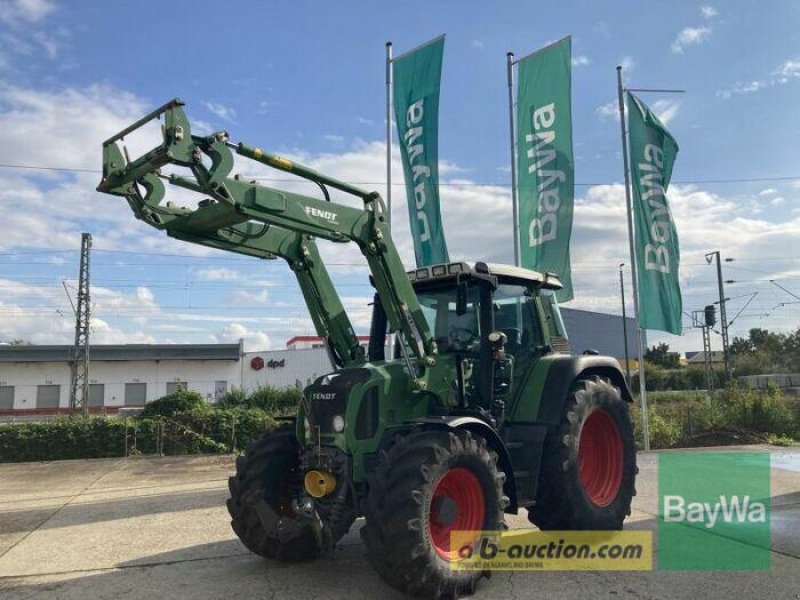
(652, 152)
(546, 180)
(417, 75)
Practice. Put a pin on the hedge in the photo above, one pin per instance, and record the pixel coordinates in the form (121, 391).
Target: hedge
(204, 431)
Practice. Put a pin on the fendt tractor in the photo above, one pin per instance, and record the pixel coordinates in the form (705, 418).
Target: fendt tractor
(476, 410)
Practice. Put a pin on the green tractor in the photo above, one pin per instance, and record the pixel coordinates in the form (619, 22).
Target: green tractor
(478, 411)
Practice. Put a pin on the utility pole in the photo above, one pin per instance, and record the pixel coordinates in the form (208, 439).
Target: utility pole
(79, 389)
(624, 323)
(723, 318)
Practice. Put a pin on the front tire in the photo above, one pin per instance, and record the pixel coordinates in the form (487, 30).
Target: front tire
(261, 513)
(428, 484)
(589, 464)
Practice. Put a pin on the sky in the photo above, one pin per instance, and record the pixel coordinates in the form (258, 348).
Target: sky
(306, 79)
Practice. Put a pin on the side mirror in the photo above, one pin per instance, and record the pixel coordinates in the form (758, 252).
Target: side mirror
(461, 297)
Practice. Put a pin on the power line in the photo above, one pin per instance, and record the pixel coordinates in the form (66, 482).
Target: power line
(462, 184)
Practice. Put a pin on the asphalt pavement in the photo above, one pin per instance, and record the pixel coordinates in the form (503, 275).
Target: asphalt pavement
(157, 528)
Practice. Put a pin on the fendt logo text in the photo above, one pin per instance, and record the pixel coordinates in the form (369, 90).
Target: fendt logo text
(730, 510)
(321, 214)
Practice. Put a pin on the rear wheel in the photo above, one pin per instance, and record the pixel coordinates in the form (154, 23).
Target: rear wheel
(589, 464)
(267, 478)
(428, 485)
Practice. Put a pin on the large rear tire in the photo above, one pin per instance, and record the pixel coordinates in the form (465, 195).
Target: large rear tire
(261, 514)
(429, 484)
(589, 464)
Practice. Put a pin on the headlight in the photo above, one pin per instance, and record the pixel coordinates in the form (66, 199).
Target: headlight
(338, 423)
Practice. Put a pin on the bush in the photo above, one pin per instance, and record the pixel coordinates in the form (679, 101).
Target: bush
(765, 411)
(273, 400)
(235, 398)
(692, 377)
(182, 401)
(84, 437)
(198, 431)
(665, 430)
(675, 417)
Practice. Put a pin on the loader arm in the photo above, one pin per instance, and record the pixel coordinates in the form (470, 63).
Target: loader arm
(248, 218)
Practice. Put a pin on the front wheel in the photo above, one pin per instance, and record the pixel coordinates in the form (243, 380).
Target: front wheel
(267, 477)
(589, 465)
(428, 485)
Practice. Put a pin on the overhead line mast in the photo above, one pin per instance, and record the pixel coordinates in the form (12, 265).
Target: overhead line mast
(79, 384)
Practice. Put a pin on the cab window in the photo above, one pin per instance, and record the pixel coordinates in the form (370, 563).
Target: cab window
(515, 315)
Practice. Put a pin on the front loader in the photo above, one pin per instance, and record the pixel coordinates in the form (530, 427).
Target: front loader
(478, 411)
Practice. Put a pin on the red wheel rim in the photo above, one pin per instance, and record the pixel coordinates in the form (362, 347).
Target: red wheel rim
(600, 458)
(457, 505)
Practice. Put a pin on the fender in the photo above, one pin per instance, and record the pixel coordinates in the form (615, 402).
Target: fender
(493, 440)
(563, 372)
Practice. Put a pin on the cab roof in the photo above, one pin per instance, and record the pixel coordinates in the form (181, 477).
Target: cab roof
(505, 273)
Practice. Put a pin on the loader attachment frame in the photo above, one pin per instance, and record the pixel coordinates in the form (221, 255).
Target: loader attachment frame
(245, 217)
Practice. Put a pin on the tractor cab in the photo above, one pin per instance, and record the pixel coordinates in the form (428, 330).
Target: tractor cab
(462, 301)
(496, 321)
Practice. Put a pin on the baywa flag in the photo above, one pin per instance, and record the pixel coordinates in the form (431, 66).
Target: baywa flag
(417, 75)
(652, 153)
(546, 180)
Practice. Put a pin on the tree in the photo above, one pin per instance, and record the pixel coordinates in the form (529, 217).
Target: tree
(764, 352)
(660, 355)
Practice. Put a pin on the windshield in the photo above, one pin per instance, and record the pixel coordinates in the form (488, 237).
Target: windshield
(453, 332)
(514, 314)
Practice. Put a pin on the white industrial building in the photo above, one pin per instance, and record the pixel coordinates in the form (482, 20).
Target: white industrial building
(36, 379)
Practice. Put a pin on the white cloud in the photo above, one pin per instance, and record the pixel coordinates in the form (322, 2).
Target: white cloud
(476, 44)
(225, 113)
(333, 138)
(253, 340)
(217, 274)
(580, 61)
(609, 110)
(627, 63)
(246, 298)
(666, 110)
(365, 121)
(768, 192)
(777, 201)
(709, 12)
(786, 72)
(47, 42)
(15, 12)
(690, 36)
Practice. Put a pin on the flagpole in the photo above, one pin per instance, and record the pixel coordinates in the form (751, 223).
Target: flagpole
(512, 137)
(390, 337)
(389, 134)
(634, 280)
